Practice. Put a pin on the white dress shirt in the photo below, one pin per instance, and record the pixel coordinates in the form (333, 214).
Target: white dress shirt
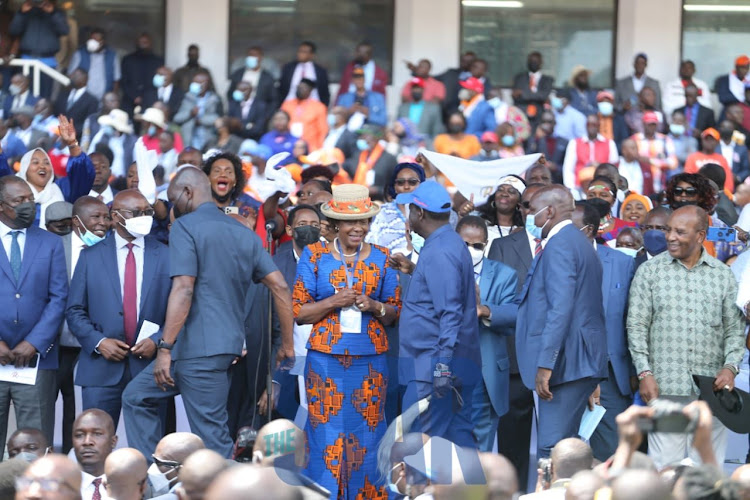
(76, 245)
(737, 87)
(532, 243)
(19, 100)
(107, 195)
(302, 70)
(534, 77)
(334, 134)
(8, 239)
(252, 76)
(164, 93)
(556, 229)
(122, 255)
(88, 488)
(633, 173)
(638, 83)
(727, 151)
(743, 290)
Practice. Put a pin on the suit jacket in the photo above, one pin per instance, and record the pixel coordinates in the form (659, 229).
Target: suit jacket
(481, 120)
(8, 104)
(543, 89)
(254, 124)
(265, 90)
(206, 120)
(94, 310)
(726, 97)
(705, 118)
(33, 309)
(321, 77)
(624, 90)
(66, 337)
(617, 273)
(347, 143)
(85, 105)
(430, 123)
(284, 260)
(151, 95)
(560, 323)
(556, 156)
(497, 286)
(383, 169)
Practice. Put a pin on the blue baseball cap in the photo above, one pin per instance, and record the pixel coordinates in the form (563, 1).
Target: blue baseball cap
(430, 196)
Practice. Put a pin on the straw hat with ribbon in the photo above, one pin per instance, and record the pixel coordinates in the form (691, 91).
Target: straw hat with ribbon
(350, 202)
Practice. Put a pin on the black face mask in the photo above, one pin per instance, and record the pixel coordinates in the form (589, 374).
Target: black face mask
(25, 214)
(601, 206)
(533, 66)
(455, 129)
(416, 96)
(306, 235)
(726, 135)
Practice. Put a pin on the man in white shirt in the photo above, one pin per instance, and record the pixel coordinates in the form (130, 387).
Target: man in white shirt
(628, 88)
(94, 439)
(101, 190)
(674, 91)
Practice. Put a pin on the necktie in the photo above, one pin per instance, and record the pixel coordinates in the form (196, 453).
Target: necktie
(532, 81)
(688, 119)
(129, 298)
(97, 494)
(15, 255)
(538, 247)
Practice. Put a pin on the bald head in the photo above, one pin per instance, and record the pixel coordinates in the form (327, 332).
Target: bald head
(501, 477)
(188, 189)
(550, 206)
(84, 204)
(250, 482)
(127, 198)
(197, 472)
(558, 197)
(56, 467)
(742, 476)
(583, 486)
(694, 213)
(640, 485)
(126, 474)
(569, 456)
(176, 447)
(278, 438)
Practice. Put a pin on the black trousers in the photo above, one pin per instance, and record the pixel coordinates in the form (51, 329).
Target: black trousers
(68, 356)
(514, 429)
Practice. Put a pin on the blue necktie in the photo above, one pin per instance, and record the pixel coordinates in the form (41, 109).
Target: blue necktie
(15, 255)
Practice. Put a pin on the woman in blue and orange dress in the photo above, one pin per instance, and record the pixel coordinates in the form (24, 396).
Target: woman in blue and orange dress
(348, 292)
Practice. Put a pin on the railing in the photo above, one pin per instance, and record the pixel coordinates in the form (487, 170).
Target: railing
(37, 67)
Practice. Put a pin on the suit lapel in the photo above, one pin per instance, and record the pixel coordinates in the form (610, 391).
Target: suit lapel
(149, 270)
(486, 277)
(606, 276)
(109, 264)
(30, 249)
(529, 277)
(522, 248)
(5, 265)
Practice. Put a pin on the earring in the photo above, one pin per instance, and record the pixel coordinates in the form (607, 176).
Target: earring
(492, 203)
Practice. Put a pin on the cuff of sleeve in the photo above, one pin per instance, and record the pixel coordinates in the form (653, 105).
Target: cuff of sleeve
(96, 349)
(486, 321)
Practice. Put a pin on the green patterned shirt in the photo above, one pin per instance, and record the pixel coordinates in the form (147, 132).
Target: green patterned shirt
(684, 321)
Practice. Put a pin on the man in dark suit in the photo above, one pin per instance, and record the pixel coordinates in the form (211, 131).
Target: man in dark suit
(77, 103)
(736, 154)
(32, 303)
(213, 261)
(20, 95)
(451, 79)
(697, 117)
(304, 67)
(730, 88)
(531, 89)
(615, 392)
(260, 79)
(119, 290)
(430, 121)
(626, 93)
(514, 430)
(496, 284)
(251, 112)
(562, 352)
(163, 88)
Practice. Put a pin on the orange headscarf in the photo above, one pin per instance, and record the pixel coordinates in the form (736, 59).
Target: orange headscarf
(637, 197)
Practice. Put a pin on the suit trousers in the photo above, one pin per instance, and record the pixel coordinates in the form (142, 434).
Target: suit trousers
(560, 417)
(203, 384)
(109, 398)
(484, 418)
(66, 387)
(445, 417)
(34, 404)
(605, 439)
(514, 428)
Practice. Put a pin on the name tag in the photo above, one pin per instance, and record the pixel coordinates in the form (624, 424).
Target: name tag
(351, 320)
(370, 177)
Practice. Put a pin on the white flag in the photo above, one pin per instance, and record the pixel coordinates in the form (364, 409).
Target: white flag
(479, 178)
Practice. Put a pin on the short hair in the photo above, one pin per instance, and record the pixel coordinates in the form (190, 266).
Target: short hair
(308, 43)
(535, 53)
(8, 179)
(570, 456)
(590, 214)
(298, 208)
(364, 43)
(239, 174)
(708, 482)
(437, 216)
(705, 192)
(98, 30)
(607, 181)
(193, 46)
(82, 202)
(105, 151)
(632, 231)
(714, 172)
(472, 221)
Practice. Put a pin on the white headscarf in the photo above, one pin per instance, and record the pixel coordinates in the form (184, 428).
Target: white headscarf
(51, 192)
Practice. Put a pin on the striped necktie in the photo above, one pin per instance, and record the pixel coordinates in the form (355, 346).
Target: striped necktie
(538, 247)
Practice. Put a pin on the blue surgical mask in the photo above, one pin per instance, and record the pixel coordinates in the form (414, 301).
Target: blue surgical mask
(677, 129)
(362, 145)
(417, 242)
(251, 62)
(630, 252)
(654, 241)
(88, 238)
(195, 88)
(605, 108)
(508, 140)
(108, 130)
(556, 103)
(331, 120)
(238, 95)
(158, 80)
(531, 226)
(151, 130)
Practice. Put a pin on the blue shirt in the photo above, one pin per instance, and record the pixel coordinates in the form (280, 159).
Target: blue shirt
(279, 143)
(373, 101)
(571, 123)
(439, 310)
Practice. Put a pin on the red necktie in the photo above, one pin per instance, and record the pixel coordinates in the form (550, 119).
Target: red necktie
(129, 298)
(96, 482)
(538, 247)
(532, 81)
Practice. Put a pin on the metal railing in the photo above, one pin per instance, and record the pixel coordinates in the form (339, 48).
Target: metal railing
(36, 67)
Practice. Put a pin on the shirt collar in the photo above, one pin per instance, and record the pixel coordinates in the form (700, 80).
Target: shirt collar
(121, 242)
(704, 259)
(76, 241)
(4, 230)
(556, 229)
(87, 479)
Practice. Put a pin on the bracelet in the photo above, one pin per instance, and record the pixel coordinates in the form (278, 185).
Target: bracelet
(381, 312)
(644, 374)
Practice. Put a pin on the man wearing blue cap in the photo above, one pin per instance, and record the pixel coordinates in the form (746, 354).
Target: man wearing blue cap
(439, 351)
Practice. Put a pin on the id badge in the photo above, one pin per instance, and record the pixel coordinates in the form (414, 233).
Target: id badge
(370, 177)
(351, 320)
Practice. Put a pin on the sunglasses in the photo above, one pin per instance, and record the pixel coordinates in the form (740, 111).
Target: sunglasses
(167, 464)
(137, 213)
(404, 182)
(476, 246)
(691, 191)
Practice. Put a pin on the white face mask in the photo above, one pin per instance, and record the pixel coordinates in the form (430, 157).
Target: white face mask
(476, 256)
(92, 45)
(139, 226)
(159, 481)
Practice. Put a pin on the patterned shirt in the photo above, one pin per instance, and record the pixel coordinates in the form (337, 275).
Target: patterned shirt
(388, 229)
(684, 321)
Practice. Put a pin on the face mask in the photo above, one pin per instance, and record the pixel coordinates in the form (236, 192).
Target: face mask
(455, 128)
(417, 96)
(331, 120)
(464, 94)
(495, 102)
(151, 130)
(238, 96)
(92, 45)
(159, 482)
(556, 103)
(476, 256)
(158, 80)
(14, 89)
(605, 108)
(630, 252)
(531, 226)
(654, 241)
(138, 226)
(508, 140)
(362, 145)
(306, 235)
(36, 119)
(417, 242)
(108, 130)
(251, 62)
(25, 214)
(677, 129)
(195, 88)
(534, 66)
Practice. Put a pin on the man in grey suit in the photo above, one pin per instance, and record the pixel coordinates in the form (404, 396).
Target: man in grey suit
(425, 115)
(628, 88)
(199, 110)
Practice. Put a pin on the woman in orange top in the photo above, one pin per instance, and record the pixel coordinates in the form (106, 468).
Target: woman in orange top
(456, 142)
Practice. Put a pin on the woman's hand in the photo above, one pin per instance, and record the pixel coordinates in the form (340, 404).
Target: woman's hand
(366, 304)
(344, 297)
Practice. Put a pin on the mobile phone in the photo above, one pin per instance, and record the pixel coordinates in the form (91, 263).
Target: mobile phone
(668, 422)
(545, 464)
(728, 234)
(232, 210)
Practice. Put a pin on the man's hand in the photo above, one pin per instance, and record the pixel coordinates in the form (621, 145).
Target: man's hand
(542, 383)
(285, 357)
(264, 400)
(442, 386)
(594, 398)
(23, 353)
(517, 93)
(113, 349)
(344, 298)
(194, 111)
(26, 6)
(649, 389)
(627, 426)
(399, 262)
(483, 312)
(467, 207)
(145, 349)
(6, 355)
(162, 367)
(724, 380)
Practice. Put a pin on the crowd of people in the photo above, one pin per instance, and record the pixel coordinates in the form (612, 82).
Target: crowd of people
(309, 272)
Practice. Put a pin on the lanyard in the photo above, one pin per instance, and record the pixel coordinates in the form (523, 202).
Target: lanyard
(349, 277)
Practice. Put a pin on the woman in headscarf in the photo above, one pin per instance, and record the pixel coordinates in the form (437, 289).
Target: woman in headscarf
(503, 209)
(635, 207)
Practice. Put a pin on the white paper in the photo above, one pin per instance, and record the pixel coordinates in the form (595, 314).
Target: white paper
(147, 329)
(351, 320)
(590, 421)
(27, 375)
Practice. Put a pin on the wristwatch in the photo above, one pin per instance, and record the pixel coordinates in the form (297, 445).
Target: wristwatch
(733, 368)
(164, 345)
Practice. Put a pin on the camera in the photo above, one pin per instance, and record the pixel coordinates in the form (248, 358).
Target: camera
(668, 417)
(728, 234)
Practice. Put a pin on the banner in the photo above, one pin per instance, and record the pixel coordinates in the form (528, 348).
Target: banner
(479, 178)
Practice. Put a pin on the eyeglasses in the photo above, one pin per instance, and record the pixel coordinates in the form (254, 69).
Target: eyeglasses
(137, 213)
(691, 191)
(655, 228)
(47, 485)
(167, 464)
(403, 182)
(476, 246)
